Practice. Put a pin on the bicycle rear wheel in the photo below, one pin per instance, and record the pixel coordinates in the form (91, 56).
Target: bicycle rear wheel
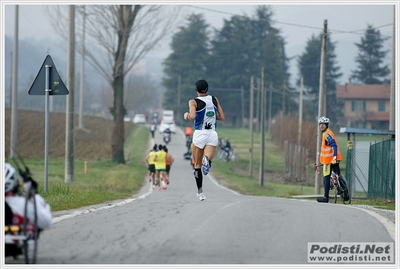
(342, 195)
(348, 190)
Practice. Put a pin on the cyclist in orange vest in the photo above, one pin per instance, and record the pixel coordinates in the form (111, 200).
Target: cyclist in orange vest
(330, 157)
(188, 131)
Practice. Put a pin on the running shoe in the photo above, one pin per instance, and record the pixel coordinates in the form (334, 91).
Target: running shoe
(322, 200)
(205, 168)
(201, 196)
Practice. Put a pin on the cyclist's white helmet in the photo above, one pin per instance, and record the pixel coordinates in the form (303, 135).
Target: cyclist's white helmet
(323, 120)
(10, 180)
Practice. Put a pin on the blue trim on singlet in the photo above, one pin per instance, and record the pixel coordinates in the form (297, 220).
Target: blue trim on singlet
(198, 121)
(200, 115)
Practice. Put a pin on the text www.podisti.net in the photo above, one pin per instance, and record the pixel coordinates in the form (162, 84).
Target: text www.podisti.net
(350, 252)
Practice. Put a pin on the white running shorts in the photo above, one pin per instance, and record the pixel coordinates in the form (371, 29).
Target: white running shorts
(201, 138)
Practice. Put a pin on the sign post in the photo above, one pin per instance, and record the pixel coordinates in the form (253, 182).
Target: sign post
(47, 82)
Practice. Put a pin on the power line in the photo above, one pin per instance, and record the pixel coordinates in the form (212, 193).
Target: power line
(362, 31)
(296, 25)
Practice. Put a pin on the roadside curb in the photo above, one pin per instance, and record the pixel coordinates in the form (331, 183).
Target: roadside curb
(386, 217)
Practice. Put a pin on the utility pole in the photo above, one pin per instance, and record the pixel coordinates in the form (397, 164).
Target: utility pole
(300, 112)
(242, 104)
(69, 128)
(258, 93)
(251, 125)
(82, 70)
(14, 93)
(179, 97)
(392, 126)
(262, 158)
(283, 107)
(321, 104)
(270, 108)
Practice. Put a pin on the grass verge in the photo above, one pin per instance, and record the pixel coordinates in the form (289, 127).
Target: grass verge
(104, 181)
(236, 175)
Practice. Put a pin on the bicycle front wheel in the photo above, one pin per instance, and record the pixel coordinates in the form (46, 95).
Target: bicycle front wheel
(336, 193)
(223, 156)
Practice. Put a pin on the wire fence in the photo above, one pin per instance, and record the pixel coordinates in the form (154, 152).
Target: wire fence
(370, 169)
(297, 162)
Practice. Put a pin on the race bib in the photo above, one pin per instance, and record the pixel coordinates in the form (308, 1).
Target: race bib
(326, 168)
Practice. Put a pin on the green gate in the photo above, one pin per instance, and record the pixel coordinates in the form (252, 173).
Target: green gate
(381, 172)
(370, 169)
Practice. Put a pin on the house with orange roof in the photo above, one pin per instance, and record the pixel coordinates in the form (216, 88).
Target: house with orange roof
(365, 106)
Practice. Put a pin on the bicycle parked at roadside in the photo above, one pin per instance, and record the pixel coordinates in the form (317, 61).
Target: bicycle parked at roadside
(222, 155)
(336, 185)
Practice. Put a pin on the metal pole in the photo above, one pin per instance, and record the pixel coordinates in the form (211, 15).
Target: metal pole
(69, 128)
(14, 93)
(283, 107)
(258, 105)
(179, 98)
(392, 125)
(242, 104)
(262, 158)
(46, 126)
(82, 71)
(251, 125)
(353, 166)
(299, 147)
(270, 108)
(300, 112)
(321, 108)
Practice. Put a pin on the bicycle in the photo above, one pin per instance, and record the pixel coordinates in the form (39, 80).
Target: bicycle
(222, 155)
(23, 239)
(336, 185)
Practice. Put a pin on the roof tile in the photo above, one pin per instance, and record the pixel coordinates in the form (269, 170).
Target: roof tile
(362, 91)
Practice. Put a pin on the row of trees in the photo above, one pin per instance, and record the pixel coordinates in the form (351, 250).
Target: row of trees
(121, 35)
(229, 56)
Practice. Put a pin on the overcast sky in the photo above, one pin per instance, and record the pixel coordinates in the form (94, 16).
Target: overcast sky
(297, 22)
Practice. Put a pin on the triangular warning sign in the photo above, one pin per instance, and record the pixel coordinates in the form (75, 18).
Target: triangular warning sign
(56, 85)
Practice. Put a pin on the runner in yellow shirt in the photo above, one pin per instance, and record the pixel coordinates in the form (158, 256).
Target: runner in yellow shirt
(160, 159)
(150, 162)
(169, 160)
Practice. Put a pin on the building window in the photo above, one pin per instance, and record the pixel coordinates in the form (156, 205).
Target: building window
(381, 106)
(357, 105)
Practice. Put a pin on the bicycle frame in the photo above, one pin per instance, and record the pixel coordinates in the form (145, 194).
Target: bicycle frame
(222, 155)
(334, 183)
(25, 237)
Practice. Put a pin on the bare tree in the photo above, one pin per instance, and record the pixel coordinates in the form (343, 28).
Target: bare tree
(119, 37)
(141, 94)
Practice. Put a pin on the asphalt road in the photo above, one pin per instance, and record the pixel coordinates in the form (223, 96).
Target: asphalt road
(173, 227)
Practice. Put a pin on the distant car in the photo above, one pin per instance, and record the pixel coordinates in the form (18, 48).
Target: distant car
(165, 124)
(139, 119)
